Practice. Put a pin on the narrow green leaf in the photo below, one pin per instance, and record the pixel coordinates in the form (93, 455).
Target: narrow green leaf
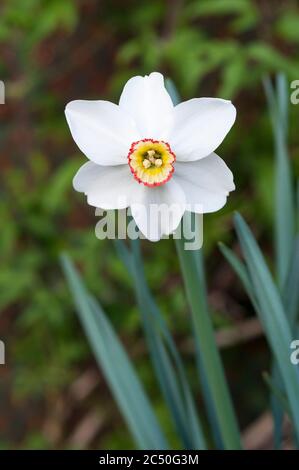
(283, 100)
(242, 272)
(116, 366)
(172, 90)
(291, 289)
(284, 217)
(173, 384)
(284, 193)
(272, 315)
(277, 392)
(207, 347)
(207, 396)
(276, 406)
(240, 269)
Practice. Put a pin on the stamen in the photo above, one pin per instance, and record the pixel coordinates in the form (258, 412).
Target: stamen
(151, 153)
(146, 163)
(151, 162)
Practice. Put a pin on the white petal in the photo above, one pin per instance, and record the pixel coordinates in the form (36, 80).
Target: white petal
(157, 211)
(147, 101)
(107, 187)
(200, 126)
(206, 183)
(102, 131)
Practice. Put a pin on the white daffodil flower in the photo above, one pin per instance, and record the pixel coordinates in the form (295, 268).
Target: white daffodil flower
(146, 152)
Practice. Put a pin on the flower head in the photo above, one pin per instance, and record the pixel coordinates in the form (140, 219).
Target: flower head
(151, 162)
(146, 151)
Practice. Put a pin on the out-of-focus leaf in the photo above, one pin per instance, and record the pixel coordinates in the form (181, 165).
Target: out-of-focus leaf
(270, 58)
(14, 284)
(233, 76)
(60, 183)
(287, 25)
(216, 7)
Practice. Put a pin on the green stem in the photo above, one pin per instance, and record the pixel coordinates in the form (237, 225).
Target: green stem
(207, 347)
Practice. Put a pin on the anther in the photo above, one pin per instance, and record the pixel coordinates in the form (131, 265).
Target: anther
(151, 153)
(146, 163)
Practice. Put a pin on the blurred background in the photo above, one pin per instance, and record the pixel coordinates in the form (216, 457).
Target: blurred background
(52, 394)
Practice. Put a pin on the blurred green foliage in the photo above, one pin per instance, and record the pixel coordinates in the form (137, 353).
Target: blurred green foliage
(54, 51)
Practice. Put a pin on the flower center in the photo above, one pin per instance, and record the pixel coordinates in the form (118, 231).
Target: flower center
(151, 161)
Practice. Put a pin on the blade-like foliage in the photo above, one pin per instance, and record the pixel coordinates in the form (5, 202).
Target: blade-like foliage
(291, 289)
(272, 314)
(284, 217)
(205, 343)
(164, 354)
(220, 415)
(240, 269)
(116, 366)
